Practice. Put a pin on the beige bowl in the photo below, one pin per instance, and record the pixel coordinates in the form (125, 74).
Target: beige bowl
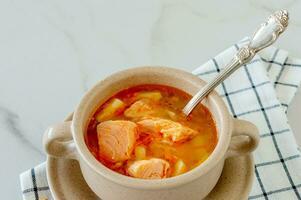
(66, 140)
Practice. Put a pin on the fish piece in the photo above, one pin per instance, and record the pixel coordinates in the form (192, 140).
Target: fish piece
(116, 139)
(171, 130)
(154, 168)
(140, 108)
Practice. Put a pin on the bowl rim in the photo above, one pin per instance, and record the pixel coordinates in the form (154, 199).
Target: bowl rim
(215, 157)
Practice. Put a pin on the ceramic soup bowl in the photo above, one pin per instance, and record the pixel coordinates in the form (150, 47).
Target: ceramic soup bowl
(66, 140)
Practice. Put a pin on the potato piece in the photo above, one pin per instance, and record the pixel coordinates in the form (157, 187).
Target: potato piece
(110, 109)
(198, 141)
(156, 96)
(140, 152)
(179, 168)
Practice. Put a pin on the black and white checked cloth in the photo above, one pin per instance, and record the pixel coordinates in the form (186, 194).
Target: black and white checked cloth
(259, 92)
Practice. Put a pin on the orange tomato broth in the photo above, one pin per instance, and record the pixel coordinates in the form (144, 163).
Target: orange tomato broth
(193, 151)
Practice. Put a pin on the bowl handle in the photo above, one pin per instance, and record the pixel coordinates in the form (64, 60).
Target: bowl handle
(245, 138)
(58, 141)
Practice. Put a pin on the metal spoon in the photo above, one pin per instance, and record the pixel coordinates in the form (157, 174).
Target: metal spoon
(266, 35)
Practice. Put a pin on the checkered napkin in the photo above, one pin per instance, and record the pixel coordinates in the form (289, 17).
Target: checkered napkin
(259, 92)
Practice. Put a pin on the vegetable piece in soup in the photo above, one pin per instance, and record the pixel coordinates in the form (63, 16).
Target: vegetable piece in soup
(141, 132)
(155, 96)
(110, 110)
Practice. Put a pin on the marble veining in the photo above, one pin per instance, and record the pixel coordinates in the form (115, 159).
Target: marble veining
(53, 51)
(11, 120)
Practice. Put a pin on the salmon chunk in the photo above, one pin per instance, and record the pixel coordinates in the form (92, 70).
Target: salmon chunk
(116, 139)
(171, 130)
(140, 108)
(153, 168)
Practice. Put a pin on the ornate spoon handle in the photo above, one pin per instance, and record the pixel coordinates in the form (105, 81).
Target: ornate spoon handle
(266, 35)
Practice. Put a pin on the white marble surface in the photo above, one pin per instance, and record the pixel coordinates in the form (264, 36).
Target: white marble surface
(51, 51)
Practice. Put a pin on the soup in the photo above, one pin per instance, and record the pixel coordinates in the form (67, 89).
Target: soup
(141, 132)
